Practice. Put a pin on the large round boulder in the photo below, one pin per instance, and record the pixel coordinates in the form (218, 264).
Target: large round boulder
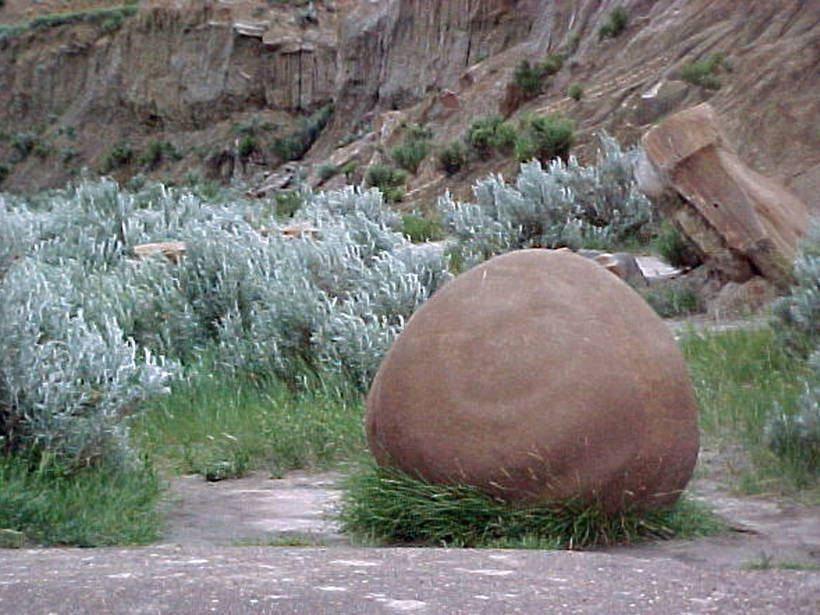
(538, 376)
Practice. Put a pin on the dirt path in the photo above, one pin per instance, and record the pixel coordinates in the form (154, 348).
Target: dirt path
(342, 580)
(257, 510)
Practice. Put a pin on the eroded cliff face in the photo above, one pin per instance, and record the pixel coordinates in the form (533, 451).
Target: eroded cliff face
(184, 71)
(173, 72)
(446, 64)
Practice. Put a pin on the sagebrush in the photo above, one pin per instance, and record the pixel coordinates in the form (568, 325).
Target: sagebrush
(87, 330)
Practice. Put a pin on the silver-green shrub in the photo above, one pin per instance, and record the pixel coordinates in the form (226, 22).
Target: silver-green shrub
(87, 329)
(560, 205)
(797, 316)
(796, 437)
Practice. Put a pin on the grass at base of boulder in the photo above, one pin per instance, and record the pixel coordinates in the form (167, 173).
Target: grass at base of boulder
(91, 507)
(382, 505)
(222, 427)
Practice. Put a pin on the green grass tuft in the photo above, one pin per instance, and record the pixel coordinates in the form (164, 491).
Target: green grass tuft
(420, 228)
(387, 506)
(91, 507)
(743, 380)
(221, 427)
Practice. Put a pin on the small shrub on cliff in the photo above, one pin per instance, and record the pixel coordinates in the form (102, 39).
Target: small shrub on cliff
(248, 144)
(490, 134)
(119, 155)
(553, 63)
(387, 179)
(615, 25)
(413, 150)
(23, 143)
(575, 91)
(528, 79)
(295, 145)
(452, 157)
(545, 137)
(702, 73)
(326, 171)
(157, 153)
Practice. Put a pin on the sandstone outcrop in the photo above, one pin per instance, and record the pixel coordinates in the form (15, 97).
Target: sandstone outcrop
(742, 223)
(538, 376)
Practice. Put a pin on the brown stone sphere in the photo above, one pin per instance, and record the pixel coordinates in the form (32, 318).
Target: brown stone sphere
(538, 377)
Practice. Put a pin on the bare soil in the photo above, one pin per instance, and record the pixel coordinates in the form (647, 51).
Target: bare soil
(765, 531)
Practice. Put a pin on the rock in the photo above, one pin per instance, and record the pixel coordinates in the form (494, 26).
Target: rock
(662, 98)
(622, 264)
(739, 300)
(538, 376)
(743, 223)
(172, 250)
(449, 100)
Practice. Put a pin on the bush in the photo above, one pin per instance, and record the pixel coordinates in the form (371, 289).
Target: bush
(564, 204)
(545, 137)
(576, 91)
(248, 144)
(388, 180)
(119, 155)
(795, 437)
(490, 134)
(288, 203)
(552, 64)
(157, 153)
(295, 145)
(5, 171)
(112, 23)
(615, 25)
(529, 79)
(671, 246)
(797, 316)
(326, 171)
(349, 168)
(420, 229)
(23, 143)
(703, 73)
(86, 332)
(413, 150)
(452, 157)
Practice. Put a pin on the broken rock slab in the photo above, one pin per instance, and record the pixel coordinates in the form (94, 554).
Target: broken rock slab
(742, 223)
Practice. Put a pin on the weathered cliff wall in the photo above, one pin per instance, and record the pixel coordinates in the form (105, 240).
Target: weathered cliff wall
(179, 68)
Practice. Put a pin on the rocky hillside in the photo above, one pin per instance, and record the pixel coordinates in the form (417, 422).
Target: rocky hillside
(231, 89)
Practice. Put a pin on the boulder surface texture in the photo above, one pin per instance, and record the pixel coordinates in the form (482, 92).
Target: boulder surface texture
(538, 377)
(743, 223)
